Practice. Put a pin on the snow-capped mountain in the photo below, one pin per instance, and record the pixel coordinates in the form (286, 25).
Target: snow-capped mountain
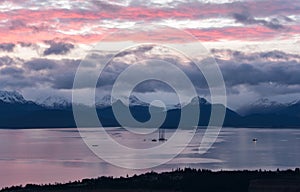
(11, 97)
(199, 100)
(294, 102)
(263, 106)
(134, 101)
(104, 101)
(16, 112)
(265, 102)
(54, 102)
(107, 101)
(196, 100)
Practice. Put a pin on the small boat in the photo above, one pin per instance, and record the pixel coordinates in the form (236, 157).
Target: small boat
(254, 139)
(161, 136)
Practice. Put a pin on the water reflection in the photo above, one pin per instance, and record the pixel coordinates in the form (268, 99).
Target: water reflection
(60, 155)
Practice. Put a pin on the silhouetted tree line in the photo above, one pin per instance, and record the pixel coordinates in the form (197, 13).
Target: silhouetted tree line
(179, 180)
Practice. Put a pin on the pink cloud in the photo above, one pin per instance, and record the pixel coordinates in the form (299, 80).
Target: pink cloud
(45, 24)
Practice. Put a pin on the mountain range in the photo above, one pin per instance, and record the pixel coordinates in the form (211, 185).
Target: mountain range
(54, 111)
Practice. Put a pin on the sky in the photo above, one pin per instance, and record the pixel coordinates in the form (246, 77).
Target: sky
(256, 44)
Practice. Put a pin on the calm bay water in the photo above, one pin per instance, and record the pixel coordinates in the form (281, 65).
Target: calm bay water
(60, 155)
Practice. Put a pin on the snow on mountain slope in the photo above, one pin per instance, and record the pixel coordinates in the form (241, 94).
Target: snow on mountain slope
(134, 101)
(263, 106)
(11, 97)
(103, 102)
(106, 101)
(54, 102)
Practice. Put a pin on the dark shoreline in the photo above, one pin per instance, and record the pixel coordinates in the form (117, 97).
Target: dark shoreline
(181, 180)
(200, 127)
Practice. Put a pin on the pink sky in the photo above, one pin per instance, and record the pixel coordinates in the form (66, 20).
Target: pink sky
(87, 21)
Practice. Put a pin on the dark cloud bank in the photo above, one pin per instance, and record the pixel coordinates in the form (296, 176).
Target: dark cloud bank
(58, 48)
(265, 73)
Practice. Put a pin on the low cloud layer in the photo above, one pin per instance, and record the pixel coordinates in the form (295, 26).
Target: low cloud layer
(247, 19)
(12, 71)
(260, 73)
(248, 74)
(254, 57)
(40, 64)
(58, 48)
(9, 47)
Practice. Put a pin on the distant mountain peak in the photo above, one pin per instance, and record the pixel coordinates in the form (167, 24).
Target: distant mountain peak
(266, 102)
(107, 101)
(133, 100)
(199, 100)
(54, 102)
(262, 106)
(11, 97)
(295, 102)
